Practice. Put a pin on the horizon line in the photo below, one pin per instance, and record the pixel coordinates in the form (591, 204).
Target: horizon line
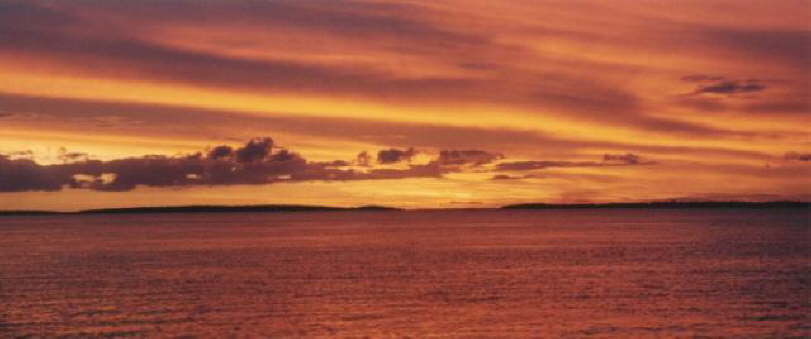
(278, 208)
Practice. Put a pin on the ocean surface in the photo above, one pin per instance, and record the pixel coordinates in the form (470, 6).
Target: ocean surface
(487, 273)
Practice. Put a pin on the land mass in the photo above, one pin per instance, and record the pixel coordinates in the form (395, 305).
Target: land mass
(208, 209)
(311, 208)
(667, 204)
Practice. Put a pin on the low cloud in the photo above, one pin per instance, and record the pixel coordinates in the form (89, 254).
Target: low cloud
(255, 163)
(468, 157)
(541, 164)
(25, 175)
(255, 150)
(336, 163)
(733, 87)
(260, 162)
(795, 156)
(393, 155)
(504, 177)
(221, 152)
(514, 177)
(701, 78)
(627, 159)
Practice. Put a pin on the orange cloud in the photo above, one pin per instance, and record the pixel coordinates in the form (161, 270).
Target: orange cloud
(718, 86)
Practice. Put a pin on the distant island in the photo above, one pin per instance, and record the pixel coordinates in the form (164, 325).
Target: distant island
(309, 208)
(207, 209)
(667, 204)
(26, 212)
(232, 209)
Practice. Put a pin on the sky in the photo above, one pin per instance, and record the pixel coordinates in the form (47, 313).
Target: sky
(416, 104)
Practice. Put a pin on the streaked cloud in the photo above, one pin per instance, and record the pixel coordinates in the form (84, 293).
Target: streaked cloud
(627, 159)
(446, 93)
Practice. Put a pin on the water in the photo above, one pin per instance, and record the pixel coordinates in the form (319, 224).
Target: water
(565, 273)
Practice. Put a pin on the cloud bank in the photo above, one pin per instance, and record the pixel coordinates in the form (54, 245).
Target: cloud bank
(257, 162)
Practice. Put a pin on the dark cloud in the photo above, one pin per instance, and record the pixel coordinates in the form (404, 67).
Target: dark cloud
(732, 87)
(254, 150)
(467, 157)
(541, 164)
(393, 155)
(255, 163)
(702, 78)
(25, 175)
(158, 171)
(335, 163)
(714, 84)
(221, 152)
(796, 156)
(788, 98)
(507, 177)
(627, 159)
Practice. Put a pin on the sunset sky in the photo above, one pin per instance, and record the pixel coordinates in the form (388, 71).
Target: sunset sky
(457, 103)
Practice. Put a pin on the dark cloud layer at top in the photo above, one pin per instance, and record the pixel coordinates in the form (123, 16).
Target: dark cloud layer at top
(68, 35)
(72, 38)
